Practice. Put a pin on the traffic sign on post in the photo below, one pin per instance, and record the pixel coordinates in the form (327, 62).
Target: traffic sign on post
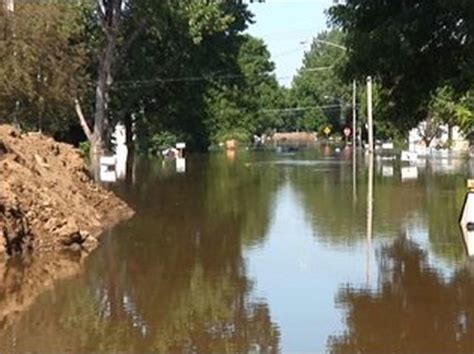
(347, 132)
(466, 219)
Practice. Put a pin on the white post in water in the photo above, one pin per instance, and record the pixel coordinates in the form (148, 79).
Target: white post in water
(370, 215)
(180, 160)
(370, 123)
(121, 151)
(354, 141)
(354, 174)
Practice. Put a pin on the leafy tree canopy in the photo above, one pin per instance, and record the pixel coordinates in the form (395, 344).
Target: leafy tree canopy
(412, 47)
(318, 88)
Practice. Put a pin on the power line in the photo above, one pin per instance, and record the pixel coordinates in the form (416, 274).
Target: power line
(321, 68)
(299, 109)
(159, 80)
(295, 109)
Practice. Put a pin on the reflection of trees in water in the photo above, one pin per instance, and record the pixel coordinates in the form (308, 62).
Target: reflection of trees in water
(414, 310)
(173, 279)
(442, 204)
(327, 197)
(433, 202)
(243, 191)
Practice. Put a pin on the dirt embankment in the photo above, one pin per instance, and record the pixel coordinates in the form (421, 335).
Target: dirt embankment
(51, 214)
(47, 200)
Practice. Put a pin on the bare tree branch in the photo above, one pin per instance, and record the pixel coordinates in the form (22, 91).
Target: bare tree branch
(82, 120)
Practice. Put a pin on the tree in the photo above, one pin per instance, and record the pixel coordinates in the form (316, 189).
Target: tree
(153, 65)
(319, 84)
(43, 64)
(410, 47)
(443, 109)
(465, 113)
(430, 129)
(242, 107)
(209, 80)
(171, 64)
(109, 15)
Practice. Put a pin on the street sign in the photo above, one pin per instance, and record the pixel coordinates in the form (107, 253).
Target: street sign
(327, 131)
(466, 221)
(347, 132)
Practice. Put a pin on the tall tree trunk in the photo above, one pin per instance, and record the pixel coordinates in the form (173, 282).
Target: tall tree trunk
(102, 99)
(109, 15)
(109, 12)
(128, 122)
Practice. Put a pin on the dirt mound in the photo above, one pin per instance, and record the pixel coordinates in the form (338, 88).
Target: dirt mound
(47, 199)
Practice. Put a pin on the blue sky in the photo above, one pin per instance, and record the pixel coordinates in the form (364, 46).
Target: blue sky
(284, 24)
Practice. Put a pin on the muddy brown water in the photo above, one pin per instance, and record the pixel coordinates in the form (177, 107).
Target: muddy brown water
(264, 252)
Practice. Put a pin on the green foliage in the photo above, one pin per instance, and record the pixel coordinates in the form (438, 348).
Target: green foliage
(85, 148)
(43, 64)
(178, 66)
(208, 79)
(318, 88)
(206, 17)
(160, 141)
(411, 48)
(445, 108)
(443, 105)
(465, 113)
(241, 135)
(237, 109)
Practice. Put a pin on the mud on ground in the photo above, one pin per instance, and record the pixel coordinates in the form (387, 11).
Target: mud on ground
(48, 206)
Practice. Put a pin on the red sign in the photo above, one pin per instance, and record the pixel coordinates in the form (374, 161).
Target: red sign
(347, 131)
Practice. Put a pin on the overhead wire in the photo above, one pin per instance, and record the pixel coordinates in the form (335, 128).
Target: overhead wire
(210, 77)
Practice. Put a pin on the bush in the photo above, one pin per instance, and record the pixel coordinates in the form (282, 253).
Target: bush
(161, 141)
(242, 136)
(85, 149)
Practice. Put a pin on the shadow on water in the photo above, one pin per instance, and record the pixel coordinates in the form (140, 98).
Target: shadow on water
(173, 278)
(252, 252)
(414, 309)
(22, 280)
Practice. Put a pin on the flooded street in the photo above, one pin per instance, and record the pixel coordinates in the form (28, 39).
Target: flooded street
(263, 252)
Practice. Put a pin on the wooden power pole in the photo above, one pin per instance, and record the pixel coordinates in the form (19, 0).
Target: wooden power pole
(354, 114)
(370, 118)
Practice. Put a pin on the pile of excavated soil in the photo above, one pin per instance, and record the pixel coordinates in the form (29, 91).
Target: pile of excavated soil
(48, 202)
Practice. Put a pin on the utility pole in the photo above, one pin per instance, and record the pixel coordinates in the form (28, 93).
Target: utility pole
(370, 117)
(354, 114)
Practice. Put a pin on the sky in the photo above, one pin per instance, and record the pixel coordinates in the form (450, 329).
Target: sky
(284, 25)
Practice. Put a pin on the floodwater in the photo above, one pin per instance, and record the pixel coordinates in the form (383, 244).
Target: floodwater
(265, 252)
